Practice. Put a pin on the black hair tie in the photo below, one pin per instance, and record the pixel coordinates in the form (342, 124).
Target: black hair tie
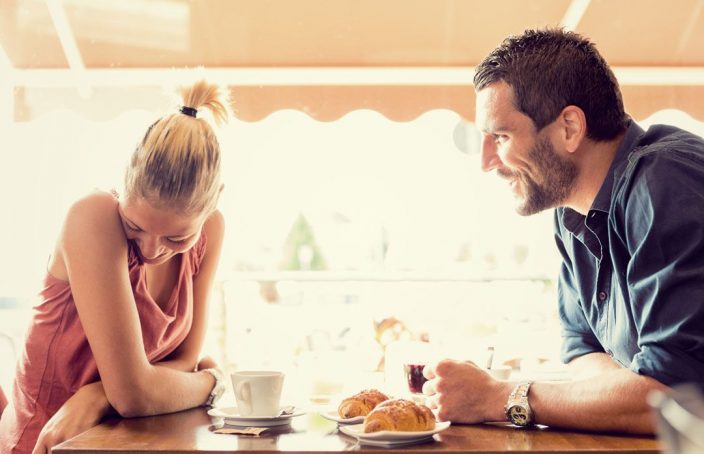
(190, 111)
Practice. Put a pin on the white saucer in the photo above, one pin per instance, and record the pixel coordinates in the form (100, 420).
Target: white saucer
(388, 438)
(333, 415)
(232, 418)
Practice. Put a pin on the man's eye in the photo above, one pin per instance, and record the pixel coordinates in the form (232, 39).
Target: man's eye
(499, 138)
(177, 241)
(134, 229)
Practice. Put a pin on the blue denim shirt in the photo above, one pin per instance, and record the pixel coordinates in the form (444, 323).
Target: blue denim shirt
(632, 278)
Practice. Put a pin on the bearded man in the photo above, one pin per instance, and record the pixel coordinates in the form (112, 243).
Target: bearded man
(629, 223)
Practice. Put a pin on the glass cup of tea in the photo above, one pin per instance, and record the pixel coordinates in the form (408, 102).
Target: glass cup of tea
(414, 377)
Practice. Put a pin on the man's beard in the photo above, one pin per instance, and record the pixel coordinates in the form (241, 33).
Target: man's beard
(558, 179)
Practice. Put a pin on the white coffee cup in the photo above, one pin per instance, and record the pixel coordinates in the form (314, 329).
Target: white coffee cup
(257, 392)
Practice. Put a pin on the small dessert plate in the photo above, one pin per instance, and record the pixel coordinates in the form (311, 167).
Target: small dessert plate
(333, 415)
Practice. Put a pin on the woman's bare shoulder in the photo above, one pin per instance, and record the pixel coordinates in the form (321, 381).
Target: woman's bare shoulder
(93, 218)
(214, 224)
(92, 224)
(95, 202)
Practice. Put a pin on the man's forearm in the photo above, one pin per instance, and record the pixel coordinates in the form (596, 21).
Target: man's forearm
(612, 401)
(591, 364)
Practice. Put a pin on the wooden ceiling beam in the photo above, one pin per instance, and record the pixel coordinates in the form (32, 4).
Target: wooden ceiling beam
(7, 98)
(574, 14)
(5, 62)
(688, 29)
(67, 39)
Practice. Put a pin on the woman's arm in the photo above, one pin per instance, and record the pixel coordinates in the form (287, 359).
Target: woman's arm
(86, 408)
(94, 252)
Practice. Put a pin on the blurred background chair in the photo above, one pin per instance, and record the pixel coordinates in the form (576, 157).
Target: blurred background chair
(680, 419)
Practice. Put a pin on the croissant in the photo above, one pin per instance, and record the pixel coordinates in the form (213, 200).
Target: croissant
(399, 415)
(361, 403)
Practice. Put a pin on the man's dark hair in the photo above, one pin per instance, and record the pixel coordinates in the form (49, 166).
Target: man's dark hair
(551, 69)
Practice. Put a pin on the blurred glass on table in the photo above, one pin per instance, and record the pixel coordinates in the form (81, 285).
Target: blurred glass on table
(679, 416)
(404, 363)
(414, 377)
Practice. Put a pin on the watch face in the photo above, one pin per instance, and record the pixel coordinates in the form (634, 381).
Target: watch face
(518, 415)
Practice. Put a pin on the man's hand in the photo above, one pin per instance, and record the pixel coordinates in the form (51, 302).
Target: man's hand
(82, 411)
(462, 392)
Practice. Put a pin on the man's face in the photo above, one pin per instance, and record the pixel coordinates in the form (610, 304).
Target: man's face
(538, 174)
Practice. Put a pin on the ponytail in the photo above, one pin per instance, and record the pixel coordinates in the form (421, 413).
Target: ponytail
(177, 164)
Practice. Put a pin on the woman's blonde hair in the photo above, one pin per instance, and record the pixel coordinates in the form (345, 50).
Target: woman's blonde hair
(177, 164)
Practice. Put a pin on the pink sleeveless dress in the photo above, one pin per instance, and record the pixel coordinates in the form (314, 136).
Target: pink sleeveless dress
(57, 359)
(3, 401)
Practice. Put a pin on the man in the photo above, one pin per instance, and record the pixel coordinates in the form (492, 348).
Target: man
(629, 223)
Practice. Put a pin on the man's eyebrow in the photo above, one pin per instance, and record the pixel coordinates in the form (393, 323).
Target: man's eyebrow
(499, 128)
(493, 131)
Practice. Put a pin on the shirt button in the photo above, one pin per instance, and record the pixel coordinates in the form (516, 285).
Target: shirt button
(602, 296)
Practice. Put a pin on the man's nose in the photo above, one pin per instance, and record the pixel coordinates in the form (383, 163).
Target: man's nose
(490, 159)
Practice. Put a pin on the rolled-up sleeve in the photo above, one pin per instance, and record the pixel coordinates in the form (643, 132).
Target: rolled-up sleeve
(663, 220)
(577, 336)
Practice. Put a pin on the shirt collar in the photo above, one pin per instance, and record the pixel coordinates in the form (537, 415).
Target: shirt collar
(602, 201)
(573, 221)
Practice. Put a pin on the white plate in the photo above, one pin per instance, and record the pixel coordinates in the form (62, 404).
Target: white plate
(232, 418)
(333, 415)
(357, 431)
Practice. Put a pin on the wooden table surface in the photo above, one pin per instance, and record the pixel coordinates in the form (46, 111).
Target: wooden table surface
(192, 431)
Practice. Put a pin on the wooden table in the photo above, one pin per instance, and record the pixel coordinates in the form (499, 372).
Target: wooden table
(191, 431)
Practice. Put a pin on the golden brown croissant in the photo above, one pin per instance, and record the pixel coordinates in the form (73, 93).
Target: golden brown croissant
(399, 415)
(361, 403)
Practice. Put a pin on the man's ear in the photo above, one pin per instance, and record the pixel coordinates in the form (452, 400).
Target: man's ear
(573, 127)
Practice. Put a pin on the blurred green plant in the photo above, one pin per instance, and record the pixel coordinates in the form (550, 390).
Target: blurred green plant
(300, 251)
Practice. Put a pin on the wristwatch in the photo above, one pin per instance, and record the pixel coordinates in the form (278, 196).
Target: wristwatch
(517, 408)
(219, 388)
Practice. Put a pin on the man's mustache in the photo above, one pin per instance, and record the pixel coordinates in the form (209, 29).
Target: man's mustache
(506, 173)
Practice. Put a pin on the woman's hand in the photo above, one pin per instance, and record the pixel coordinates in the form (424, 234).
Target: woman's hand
(82, 411)
(206, 362)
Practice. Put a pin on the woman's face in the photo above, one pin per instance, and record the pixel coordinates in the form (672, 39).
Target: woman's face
(159, 233)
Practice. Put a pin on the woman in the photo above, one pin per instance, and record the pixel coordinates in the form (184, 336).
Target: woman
(123, 310)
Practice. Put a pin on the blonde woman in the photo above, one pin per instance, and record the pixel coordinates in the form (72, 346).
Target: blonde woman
(123, 311)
